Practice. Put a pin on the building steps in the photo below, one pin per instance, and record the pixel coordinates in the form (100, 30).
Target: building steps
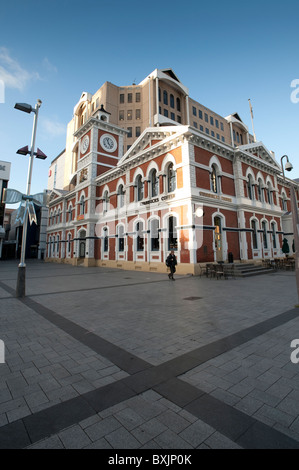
(250, 269)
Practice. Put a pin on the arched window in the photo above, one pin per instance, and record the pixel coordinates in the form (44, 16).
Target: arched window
(154, 234)
(139, 188)
(154, 182)
(172, 234)
(105, 201)
(58, 217)
(139, 237)
(269, 193)
(254, 235)
(250, 188)
(49, 247)
(57, 245)
(106, 239)
(260, 191)
(69, 245)
(120, 196)
(171, 178)
(70, 213)
(82, 205)
(165, 97)
(273, 233)
(171, 101)
(55, 217)
(214, 179)
(265, 237)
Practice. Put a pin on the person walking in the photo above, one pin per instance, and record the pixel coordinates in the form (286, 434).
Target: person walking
(171, 263)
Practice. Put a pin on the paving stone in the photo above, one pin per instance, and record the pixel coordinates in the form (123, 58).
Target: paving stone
(102, 428)
(74, 438)
(122, 439)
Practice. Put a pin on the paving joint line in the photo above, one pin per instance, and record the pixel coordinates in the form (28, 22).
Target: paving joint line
(144, 376)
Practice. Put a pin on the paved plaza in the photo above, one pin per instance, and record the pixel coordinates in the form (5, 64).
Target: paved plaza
(101, 358)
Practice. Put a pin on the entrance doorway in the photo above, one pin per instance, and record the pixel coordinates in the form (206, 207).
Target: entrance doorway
(82, 244)
(218, 239)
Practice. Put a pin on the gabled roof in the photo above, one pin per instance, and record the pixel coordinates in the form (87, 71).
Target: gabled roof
(148, 136)
(262, 151)
(56, 194)
(171, 73)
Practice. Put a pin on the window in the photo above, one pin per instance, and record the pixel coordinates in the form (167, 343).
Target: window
(194, 111)
(165, 97)
(70, 212)
(121, 239)
(154, 182)
(171, 178)
(139, 188)
(214, 179)
(82, 205)
(200, 113)
(218, 136)
(212, 133)
(223, 139)
(179, 119)
(221, 126)
(139, 238)
(57, 245)
(165, 112)
(265, 240)
(250, 188)
(120, 196)
(138, 114)
(106, 240)
(130, 97)
(178, 104)
(206, 117)
(137, 97)
(69, 245)
(121, 98)
(105, 201)
(154, 234)
(121, 115)
(172, 234)
(260, 191)
(130, 131)
(129, 115)
(273, 232)
(254, 235)
(138, 131)
(172, 116)
(201, 128)
(269, 194)
(211, 121)
(284, 203)
(195, 124)
(217, 123)
(172, 101)
(207, 131)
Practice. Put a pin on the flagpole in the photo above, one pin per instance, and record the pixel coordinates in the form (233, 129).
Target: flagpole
(251, 113)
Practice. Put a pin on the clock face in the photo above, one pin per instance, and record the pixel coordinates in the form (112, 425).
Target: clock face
(108, 143)
(85, 144)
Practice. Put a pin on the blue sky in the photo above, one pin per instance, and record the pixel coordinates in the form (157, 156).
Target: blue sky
(224, 52)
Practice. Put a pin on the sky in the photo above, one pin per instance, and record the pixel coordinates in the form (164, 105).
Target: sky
(224, 52)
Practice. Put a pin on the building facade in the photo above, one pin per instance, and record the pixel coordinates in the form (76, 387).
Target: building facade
(187, 179)
(4, 178)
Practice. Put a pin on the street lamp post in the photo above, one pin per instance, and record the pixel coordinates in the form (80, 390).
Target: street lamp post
(295, 218)
(21, 281)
